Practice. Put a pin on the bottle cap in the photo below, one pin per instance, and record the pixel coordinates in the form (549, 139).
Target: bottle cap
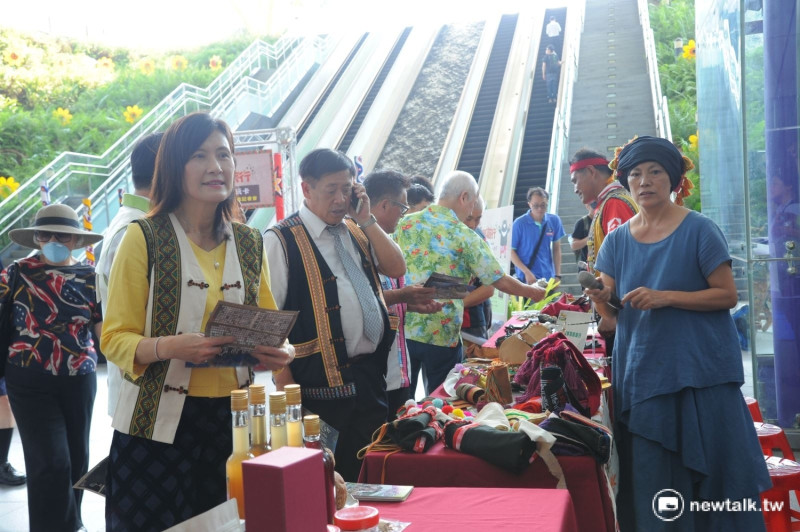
(239, 400)
(311, 424)
(356, 517)
(258, 394)
(292, 394)
(277, 403)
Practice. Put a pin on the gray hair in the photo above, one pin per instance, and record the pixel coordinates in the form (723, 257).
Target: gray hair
(456, 183)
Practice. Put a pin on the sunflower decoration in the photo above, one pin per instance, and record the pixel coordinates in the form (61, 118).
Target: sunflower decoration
(132, 113)
(147, 66)
(106, 63)
(12, 58)
(7, 186)
(63, 115)
(215, 63)
(693, 141)
(178, 62)
(690, 50)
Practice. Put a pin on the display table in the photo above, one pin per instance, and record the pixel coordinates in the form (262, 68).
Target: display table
(442, 467)
(468, 509)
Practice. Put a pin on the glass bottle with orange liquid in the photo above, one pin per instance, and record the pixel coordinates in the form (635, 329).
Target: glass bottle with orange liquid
(258, 420)
(294, 416)
(277, 420)
(241, 448)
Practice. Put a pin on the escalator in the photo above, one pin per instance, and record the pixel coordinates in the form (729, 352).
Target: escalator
(364, 108)
(477, 138)
(318, 105)
(535, 153)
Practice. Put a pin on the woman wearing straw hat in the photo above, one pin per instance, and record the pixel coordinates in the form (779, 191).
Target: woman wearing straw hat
(50, 371)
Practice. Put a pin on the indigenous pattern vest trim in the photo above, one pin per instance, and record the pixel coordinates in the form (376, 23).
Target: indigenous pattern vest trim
(321, 334)
(597, 231)
(164, 274)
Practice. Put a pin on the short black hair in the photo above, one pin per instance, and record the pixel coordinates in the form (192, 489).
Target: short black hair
(423, 181)
(538, 191)
(551, 47)
(382, 184)
(588, 153)
(419, 193)
(324, 161)
(143, 160)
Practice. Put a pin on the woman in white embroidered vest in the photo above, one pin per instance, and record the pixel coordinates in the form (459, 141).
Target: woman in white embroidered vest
(172, 422)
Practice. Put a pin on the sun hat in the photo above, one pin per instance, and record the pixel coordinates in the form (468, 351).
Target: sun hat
(55, 218)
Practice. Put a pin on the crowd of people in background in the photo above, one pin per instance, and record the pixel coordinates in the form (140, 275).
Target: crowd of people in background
(353, 260)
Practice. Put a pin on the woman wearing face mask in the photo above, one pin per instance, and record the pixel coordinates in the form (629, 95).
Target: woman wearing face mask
(50, 370)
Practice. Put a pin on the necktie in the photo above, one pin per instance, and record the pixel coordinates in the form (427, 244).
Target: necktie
(373, 324)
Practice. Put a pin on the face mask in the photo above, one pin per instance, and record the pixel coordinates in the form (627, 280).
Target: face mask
(55, 252)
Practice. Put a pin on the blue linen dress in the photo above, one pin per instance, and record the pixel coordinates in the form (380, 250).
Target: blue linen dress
(680, 419)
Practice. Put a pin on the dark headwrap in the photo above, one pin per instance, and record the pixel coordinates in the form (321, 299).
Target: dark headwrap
(645, 149)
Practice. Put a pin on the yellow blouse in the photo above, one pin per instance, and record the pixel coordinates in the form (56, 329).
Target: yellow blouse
(125, 312)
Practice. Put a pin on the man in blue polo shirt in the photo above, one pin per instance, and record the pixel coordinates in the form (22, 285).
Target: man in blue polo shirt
(534, 240)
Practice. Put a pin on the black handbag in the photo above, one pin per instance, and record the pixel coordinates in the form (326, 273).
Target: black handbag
(6, 327)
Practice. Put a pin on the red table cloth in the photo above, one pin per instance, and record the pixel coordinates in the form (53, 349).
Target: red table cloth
(443, 467)
(479, 510)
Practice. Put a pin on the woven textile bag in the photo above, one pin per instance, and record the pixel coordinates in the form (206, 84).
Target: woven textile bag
(582, 383)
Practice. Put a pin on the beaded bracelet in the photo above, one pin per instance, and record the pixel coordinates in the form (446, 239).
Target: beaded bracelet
(155, 349)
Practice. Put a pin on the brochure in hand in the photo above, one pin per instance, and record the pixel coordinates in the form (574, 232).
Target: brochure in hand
(251, 326)
(378, 492)
(448, 287)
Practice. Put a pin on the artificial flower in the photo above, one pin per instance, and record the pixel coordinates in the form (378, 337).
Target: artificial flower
(690, 50)
(147, 66)
(105, 62)
(215, 63)
(178, 62)
(12, 58)
(132, 113)
(693, 140)
(64, 115)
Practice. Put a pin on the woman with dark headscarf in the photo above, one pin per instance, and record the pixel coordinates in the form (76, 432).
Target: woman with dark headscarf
(681, 423)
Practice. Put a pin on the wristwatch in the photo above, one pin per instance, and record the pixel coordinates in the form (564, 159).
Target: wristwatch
(369, 222)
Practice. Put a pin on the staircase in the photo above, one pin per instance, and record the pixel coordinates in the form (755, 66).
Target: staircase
(477, 138)
(611, 101)
(535, 154)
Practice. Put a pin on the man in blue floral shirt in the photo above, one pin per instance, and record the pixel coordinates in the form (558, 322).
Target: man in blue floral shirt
(435, 240)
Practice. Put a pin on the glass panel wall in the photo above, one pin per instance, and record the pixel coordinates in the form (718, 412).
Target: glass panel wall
(747, 90)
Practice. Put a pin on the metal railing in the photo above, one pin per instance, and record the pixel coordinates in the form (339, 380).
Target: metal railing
(660, 105)
(71, 177)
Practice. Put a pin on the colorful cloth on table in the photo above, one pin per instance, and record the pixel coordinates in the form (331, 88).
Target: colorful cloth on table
(397, 365)
(54, 310)
(524, 236)
(512, 451)
(435, 240)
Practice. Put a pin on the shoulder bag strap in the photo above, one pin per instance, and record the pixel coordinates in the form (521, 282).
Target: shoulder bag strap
(538, 244)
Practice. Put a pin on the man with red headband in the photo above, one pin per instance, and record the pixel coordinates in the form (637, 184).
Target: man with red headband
(613, 206)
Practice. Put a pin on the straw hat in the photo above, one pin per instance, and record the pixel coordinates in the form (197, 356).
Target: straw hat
(54, 218)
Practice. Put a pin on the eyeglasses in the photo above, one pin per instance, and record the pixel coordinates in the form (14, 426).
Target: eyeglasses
(538, 205)
(403, 207)
(45, 236)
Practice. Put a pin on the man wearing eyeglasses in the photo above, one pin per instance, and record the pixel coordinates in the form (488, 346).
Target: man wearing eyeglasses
(534, 240)
(387, 191)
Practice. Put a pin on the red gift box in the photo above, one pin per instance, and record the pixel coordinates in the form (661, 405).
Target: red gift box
(285, 490)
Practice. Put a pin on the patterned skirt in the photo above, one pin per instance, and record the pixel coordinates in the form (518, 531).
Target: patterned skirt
(152, 485)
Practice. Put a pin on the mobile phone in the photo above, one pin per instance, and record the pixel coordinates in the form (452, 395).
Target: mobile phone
(355, 201)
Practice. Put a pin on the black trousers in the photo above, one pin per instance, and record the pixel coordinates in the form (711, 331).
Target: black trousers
(356, 418)
(54, 415)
